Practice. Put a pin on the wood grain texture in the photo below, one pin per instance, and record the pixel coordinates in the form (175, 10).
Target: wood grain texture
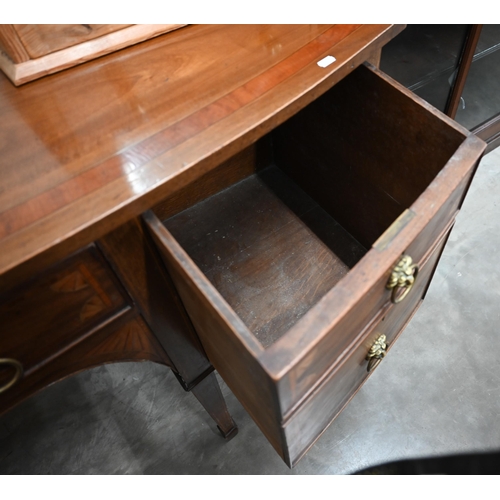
(107, 140)
(346, 308)
(315, 412)
(11, 45)
(127, 339)
(268, 249)
(136, 261)
(237, 168)
(42, 39)
(76, 316)
(52, 62)
(58, 309)
(163, 140)
(303, 427)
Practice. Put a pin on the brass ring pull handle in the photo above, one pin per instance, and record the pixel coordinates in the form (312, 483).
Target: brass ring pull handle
(376, 353)
(19, 372)
(403, 276)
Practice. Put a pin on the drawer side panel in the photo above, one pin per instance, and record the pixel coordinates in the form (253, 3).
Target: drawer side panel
(223, 335)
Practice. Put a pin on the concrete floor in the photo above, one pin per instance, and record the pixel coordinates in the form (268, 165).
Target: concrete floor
(437, 392)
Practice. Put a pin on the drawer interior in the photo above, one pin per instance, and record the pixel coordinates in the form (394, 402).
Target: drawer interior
(269, 249)
(280, 224)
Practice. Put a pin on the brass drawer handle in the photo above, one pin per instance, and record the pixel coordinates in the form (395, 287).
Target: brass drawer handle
(376, 353)
(403, 276)
(19, 372)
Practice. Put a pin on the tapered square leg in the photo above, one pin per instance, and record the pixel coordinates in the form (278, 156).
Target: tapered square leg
(208, 393)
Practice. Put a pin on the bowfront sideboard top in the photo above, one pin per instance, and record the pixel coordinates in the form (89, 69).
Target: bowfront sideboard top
(87, 149)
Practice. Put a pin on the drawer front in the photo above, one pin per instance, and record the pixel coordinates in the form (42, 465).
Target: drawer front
(57, 309)
(309, 420)
(308, 371)
(126, 339)
(362, 294)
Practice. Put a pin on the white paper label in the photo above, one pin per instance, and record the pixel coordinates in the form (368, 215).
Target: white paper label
(326, 61)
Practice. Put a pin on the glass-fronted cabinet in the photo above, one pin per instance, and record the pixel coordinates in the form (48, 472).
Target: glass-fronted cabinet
(424, 58)
(456, 68)
(481, 94)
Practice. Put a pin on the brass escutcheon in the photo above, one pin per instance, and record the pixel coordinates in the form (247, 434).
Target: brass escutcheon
(403, 276)
(17, 375)
(376, 353)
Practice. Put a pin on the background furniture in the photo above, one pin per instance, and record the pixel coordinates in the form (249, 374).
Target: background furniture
(454, 67)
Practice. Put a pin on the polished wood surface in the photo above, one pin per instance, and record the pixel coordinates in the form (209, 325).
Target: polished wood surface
(127, 339)
(57, 309)
(50, 48)
(85, 150)
(76, 315)
(224, 335)
(11, 45)
(42, 39)
(301, 358)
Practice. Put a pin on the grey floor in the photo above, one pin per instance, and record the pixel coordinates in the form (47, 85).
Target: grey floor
(438, 391)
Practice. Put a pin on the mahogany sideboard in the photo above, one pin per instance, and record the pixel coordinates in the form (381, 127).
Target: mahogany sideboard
(258, 199)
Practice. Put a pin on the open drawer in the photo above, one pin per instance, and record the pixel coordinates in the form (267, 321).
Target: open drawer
(283, 254)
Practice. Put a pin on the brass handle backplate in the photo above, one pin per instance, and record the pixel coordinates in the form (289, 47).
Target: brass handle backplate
(18, 367)
(403, 277)
(376, 353)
